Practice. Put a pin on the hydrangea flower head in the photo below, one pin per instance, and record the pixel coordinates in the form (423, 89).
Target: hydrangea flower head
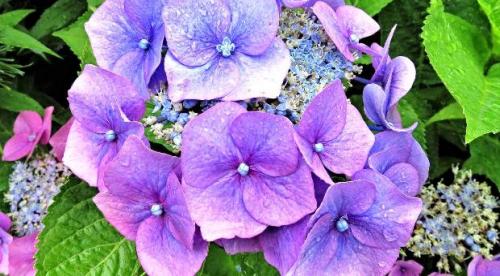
(5, 241)
(406, 268)
(105, 106)
(332, 134)
(346, 25)
(127, 38)
(224, 49)
(399, 157)
(309, 3)
(358, 229)
(29, 130)
(242, 172)
(483, 267)
(22, 256)
(144, 201)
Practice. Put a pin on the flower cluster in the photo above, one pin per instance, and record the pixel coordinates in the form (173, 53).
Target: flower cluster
(458, 220)
(32, 186)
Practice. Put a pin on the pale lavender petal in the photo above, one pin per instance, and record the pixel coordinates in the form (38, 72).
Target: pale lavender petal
(159, 78)
(403, 76)
(213, 80)
(22, 256)
(348, 152)
(261, 76)
(390, 220)
(194, 28)
(405, 177)
(278, 201)
(58, 140)
(483, 267)
(381, 60)
(18, 146)
(406, 268)
(46, 126)
(374, 100)
(354, 21)
(312, 158)
(308, 3)
(238, 245)
(208, 152)
(272, 149)
(254, 25)
(160, 253)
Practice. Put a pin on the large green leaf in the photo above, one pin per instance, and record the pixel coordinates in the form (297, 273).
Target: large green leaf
(372, 7)
(77, 40)
(77, 240)
(452, 111)
(492, 10)
(459, 51)
(484, 158)
(14, 101)
(12, 18)
(12, 37)
(57, 16)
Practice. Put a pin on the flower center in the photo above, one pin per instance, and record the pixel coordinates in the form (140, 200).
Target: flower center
(32, 137)
(110, 135)
(243, 169)
(319, 147)
(342, 225)
(156, 210)
(143, 44)
(226, 47)
(354, 38)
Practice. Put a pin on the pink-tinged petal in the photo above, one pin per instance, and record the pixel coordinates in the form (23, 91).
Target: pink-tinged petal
(160, 253)
(281, 246)
(6, 241)
(213, 80)
(329, 20)
(484, 267)
(194, 28)
(261, 76)
(354, 21)
(219, 210)
(272, 149)
(18, 146)
(348, 152)
(254, 25)
(390, 220)
(325, 117)
(278, 201)
(96, 90)
(58, 140)
(28, 122)
(312, 158)
(5, 222)
(208, 152)
(405, 177)
(374, 98)
(238, 245)
(22, 256)
(403, 76)
(406, 268)
(46, 125)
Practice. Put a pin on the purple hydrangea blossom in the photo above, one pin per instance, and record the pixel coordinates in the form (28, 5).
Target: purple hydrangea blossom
(224, 49)
(399, 157)
(345, 26)
(104, 106)
(127, 38)
(22, 255)
(332, 134)
(358, 229)
(5, 241)
(238, 180)
(406, 268)
(309, 3)
(484, 267)
(144, 201)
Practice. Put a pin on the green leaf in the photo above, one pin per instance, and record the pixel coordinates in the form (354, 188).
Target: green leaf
(14, 101)
(372, 7)
(77, 240)
(450, 112)
(5, 170)
(77, 40)
(15, 38)
(484, 158)
(93, 4)
(492, 10)
(13, 18)
(408, 117)
(57, 16)
(458, 51)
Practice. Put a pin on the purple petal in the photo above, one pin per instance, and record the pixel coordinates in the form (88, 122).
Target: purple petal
(374, 100)
(160, 253)
(58, 140)
(46, 126)
(282, 200)
(238, 245)
(483, 267)
(28, 122)
(320, 188)
(403, 76)
(18, 146)
(5, 222)
(381, 60)
(254, 25)
(348, 152)
(159, 78)
(208, 152)
(405, 177)
(213, 80)
(406, 268)
(354, 21)
(312, 158)
(194, 28)
(261, 76)
(390, 220)
(272, 149)
(22, 256)
(308, 3)
(281, 246)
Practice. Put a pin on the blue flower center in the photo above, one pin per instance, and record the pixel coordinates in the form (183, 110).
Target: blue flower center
(156, 210)
(342, 225)
(143, 44)
(354, 38)
(243, 169)
(32, 137)
(319, 147)
(226, 47)
(110, 135)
